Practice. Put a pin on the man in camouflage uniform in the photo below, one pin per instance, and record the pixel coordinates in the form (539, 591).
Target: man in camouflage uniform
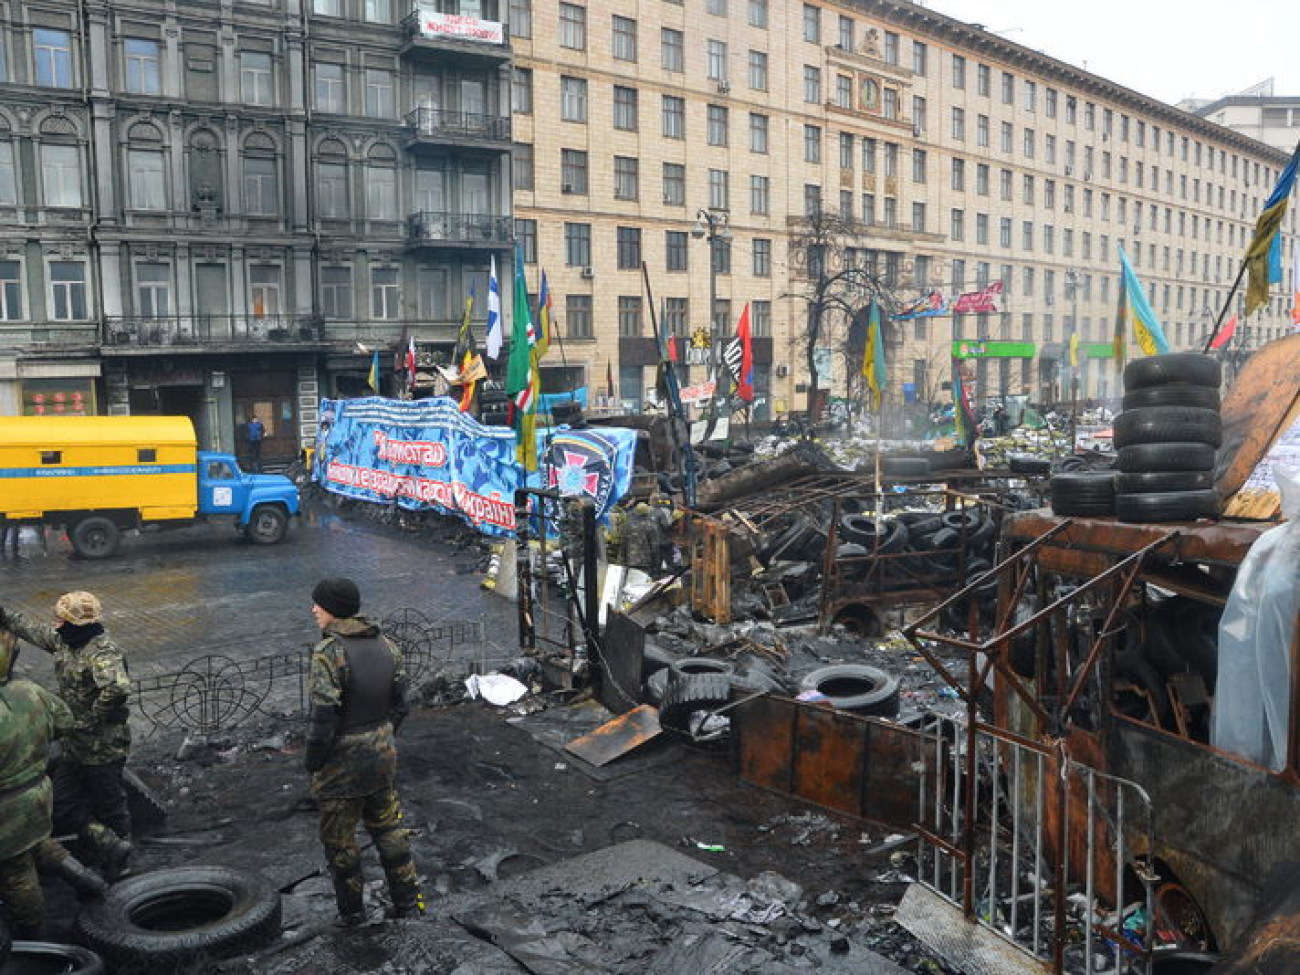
(357, 687)
(89, 795)
(30, 717)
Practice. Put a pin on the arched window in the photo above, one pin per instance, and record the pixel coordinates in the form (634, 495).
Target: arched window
(332, 201)
(60, 163)
(261, 178)
(146, 168)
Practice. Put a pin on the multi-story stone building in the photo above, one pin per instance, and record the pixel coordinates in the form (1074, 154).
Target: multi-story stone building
(222, 206)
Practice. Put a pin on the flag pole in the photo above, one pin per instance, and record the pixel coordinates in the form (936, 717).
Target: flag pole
(678, 425)
(1227, 303)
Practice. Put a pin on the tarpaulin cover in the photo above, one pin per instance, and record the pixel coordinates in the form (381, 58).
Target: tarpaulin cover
(427, 454)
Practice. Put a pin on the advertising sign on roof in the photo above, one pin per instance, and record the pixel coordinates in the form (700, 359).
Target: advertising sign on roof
(461, 27)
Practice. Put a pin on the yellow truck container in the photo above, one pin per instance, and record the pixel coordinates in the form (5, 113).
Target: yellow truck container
(100, 475)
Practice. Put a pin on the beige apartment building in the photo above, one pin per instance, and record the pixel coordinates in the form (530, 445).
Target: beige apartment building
(963, 158)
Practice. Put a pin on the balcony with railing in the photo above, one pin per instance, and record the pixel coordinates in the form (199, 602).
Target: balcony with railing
(432, 228)
(211, 331)
(454, 37)
(441, 127)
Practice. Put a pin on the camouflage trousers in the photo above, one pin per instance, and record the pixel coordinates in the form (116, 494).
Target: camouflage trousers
(381, 814)
(20, 886)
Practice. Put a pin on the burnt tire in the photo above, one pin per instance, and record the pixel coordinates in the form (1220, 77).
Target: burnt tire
(905, 466)
(1028, 464)
(36, 957)
(1173, 394)
(1167, 506)
(180, 917)
(1164, 481)
(690, 693)
(656, 686)
(1173, 367)
(1179, 456)
(884, 535)
(1168, 424)
(1083, 493)
(855, 687)
(95, 537)
(701, 665)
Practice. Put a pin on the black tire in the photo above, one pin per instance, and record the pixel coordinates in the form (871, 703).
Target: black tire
(691, 693)
(181, 916)
(267, 525)
(1084, 493)
(1161, 481)
(885, 535)
(701, 665)
(855, 687)
(1174, 394)
(919, 523)
(1168, 424)
(1153, 457)
(95, 537)
(1173, 367)
(967, 518)
(905, 466)
(46, 956)
(656, 685)
(1167, 506)
(1028, 464)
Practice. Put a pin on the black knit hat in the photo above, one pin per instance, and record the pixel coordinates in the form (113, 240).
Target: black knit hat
(338, 597)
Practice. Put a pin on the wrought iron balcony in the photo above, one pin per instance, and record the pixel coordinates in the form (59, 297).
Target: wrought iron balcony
(433, 228)
(441, 125)
(207, 330)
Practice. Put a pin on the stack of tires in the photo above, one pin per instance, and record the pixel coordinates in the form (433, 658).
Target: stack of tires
(1167, 436)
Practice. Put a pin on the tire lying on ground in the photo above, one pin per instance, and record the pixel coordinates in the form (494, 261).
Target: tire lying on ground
(1083, 493)
(1173, 367)
(40, 957)
(176, 918)
(1167, 506)
(1174, 394)
(690, 693)
(1155, 457)
(1168, 424)
(855, 687)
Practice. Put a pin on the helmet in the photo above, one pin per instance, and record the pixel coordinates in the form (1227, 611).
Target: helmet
(79, 608)
(8, 655)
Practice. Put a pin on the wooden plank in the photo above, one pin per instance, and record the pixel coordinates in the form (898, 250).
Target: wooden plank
(1257, 407)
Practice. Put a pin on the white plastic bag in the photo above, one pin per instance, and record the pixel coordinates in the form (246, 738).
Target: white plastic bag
(1252, 701)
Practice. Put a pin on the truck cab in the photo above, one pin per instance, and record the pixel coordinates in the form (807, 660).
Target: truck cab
(260, 503)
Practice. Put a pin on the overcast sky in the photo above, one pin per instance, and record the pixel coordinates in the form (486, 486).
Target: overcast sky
(1169, 49)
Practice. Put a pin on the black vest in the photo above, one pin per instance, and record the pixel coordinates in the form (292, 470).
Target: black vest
(368, 695)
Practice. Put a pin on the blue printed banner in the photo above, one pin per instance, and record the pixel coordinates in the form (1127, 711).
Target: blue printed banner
(427, 454)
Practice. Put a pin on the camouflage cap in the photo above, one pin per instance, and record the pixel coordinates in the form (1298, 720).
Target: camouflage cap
(79, 607)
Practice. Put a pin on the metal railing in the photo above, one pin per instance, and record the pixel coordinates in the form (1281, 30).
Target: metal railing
(211, 329)
(439, 123)
(459, 228)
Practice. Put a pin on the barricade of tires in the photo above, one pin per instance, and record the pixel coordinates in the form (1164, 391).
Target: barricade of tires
(1167, 436)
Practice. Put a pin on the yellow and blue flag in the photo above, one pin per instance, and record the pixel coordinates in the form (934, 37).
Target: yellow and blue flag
(1074, 350)
(373, 379)
(545, 318)
(1147, 332)
(873, 359)
(1264, 253)
(1119, 344)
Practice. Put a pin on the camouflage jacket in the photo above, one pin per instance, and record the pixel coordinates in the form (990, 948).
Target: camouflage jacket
(94, 683)
(30, 717)
(363, 762)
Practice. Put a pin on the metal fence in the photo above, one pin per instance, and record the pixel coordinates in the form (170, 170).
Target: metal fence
(218, 692)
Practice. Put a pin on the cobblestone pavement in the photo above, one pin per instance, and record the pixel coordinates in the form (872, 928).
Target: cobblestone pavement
(172, 596)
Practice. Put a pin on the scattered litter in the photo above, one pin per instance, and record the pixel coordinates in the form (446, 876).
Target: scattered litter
(498, 689)
(710, 847)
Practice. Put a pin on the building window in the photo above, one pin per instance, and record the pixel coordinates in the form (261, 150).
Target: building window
(573, 99)
(68, 290)
(762, 253)
(264, 290)
(52, 51)
(919, 54)
(379, 94)
(812, 200)
(918, 165)
(625, 108)
(812, 24)
(148, 184)
(758, 133)
(719, 189)
(381, 191)
(261, 198)
(143, 76)
(757, 13)
(624, 48)
(526, 234)
(328, 8)
(958, 71)
(521, 91)
(675, 250)
(332, 191)
(381, 12)
(573, 27)
(385, 294)
(629, 315)
(674, 184)
(255, 78)
(674, 117)
(758, 70)
(153, 290)
(627, 178)
(959, 124)
(577, 317)
(521, 18)
(984, 80)
(843, 91)
(891, 47)
(672, 50)
(717, 125)
(812, 144)
(959, 175)
(577, 244)
(982, 131)
(918, 217)
(812, 84)
(8, 176)
(759, 195)
(1008, 89)
(1008, 136)
(717, 61)
(573, 171)
(329, 89)
(61, 176)
(957, 229)
(11, 291)
(336, 292)
(629, 248)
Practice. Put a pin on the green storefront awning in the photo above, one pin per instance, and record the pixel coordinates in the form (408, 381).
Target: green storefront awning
(987, 349)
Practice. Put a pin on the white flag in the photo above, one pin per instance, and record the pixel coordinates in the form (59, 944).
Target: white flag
(495, 334)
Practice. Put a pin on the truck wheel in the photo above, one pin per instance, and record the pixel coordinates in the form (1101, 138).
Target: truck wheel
(95, 537)
(267, 526)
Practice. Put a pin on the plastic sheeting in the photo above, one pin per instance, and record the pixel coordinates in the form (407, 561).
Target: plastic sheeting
(1252, 705)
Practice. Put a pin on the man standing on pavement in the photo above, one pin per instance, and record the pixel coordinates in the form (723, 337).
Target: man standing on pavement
(357, 687)
(254, 433)
(89, 795)
(30, 717)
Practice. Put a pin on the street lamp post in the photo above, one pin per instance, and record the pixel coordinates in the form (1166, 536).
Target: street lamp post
(711, 225)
